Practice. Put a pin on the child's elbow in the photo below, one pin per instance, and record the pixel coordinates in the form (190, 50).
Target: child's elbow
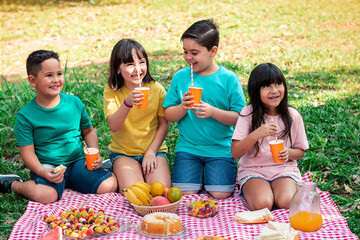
(168, 116)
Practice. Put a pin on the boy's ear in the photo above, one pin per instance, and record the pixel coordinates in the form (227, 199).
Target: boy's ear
(31, 80)
(213, 51)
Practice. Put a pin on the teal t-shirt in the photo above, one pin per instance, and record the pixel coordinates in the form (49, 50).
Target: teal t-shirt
(206, 137)
(55, 132)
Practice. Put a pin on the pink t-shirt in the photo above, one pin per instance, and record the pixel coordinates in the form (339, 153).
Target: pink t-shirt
(262, 165)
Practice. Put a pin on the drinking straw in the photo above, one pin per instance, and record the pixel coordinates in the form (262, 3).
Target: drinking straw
(192, 81)
(138, 73)
(272, 120)
(87, 150)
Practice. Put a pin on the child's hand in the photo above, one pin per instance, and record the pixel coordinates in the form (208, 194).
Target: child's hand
(149, 164)
(48, 174)
(203, 110)
(284, 155)
(186, 101)
(134, 97)
(97, 163)
(266, 130)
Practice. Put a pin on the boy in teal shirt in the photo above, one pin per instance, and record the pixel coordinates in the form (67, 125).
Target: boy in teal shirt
(49, 130)
(203, 149)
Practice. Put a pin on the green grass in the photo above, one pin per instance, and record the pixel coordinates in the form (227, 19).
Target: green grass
(315, 43)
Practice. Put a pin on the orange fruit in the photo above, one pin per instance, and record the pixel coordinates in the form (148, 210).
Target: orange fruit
(174, 194)
(157, 189)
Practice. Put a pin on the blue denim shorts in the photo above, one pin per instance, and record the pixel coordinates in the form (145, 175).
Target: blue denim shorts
(76, 177)
(113, 156)
(245, 179)
(191, 172)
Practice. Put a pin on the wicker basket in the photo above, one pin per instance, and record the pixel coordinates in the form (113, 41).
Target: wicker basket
(143, 210)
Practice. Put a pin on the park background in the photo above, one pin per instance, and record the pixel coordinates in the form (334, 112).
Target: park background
(315, 43)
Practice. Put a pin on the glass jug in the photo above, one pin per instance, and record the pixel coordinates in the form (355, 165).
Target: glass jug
(304, 211)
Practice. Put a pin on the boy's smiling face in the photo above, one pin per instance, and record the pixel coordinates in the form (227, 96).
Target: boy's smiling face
(201, 58)
(49, 80)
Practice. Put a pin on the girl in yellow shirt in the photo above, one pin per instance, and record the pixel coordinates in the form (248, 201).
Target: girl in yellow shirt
(137, 149)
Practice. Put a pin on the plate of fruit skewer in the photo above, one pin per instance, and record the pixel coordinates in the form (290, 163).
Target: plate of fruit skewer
(86, 223)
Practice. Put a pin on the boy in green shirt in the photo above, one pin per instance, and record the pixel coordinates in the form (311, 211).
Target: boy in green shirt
(49, 129)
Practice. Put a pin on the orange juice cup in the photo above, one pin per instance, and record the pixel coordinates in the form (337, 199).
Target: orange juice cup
(144, 102)
(196, 92)
(91, 155)
(276, 146)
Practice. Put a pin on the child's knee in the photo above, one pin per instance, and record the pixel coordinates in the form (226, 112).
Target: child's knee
(283, 202)
(109, 185)
(260, 203)
(45, 197)
(220, 195)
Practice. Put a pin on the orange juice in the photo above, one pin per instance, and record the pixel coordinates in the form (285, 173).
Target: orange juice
(91, 155)
(144, 102)
(196, 92)
(306, 221)
(276, 146)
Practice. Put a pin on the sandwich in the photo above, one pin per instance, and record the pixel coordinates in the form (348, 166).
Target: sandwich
(258, 216)
(59, 168)
(278, 231)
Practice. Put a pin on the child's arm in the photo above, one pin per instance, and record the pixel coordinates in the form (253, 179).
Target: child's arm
(175, 113)
(149, 162)
(32, 162)
(240, 147)
(91, 140)
(116, 120)
(205, 110)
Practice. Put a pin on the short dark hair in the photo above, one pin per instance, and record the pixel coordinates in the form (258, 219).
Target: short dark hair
(123, 53)
(34, 60)
(204, 32)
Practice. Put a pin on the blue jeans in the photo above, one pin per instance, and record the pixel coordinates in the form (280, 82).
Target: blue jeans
(76, 177)
(191, 172)
(113, 156)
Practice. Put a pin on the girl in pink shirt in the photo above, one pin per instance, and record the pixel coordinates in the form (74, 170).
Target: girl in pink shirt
(263, 182)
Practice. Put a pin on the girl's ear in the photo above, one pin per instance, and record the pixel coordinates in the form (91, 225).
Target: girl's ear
(32, 81)
(213, 51)
(118, 71)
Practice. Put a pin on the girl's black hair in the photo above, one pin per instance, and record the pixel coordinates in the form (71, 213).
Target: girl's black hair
(264, 75)
(123, 53)
(204, 32)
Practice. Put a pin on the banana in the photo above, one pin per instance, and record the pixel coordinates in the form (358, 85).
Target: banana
(130, 195)
(144, 185)
(140, 194)
(145, 189)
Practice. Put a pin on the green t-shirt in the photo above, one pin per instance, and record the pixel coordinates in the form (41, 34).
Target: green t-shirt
(55, 132)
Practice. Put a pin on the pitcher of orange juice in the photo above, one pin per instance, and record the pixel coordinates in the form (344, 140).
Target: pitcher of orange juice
(304, 211)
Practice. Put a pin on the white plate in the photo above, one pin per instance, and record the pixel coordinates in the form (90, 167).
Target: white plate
(184, 233)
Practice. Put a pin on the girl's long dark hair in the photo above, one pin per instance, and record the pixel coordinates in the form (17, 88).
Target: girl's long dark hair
(263, 75)
(123, 53)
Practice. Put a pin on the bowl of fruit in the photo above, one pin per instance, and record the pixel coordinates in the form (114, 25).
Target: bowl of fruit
(203, 208)
(145, 198)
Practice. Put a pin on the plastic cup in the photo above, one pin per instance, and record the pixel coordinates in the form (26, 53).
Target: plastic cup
(196, 92)
(91, 155)
(276, 146)
(144, 102)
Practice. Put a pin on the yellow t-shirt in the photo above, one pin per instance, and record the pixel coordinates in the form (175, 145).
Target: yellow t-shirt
(140, 126)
